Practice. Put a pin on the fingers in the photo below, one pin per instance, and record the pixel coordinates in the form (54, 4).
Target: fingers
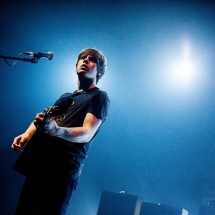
(17, 144)
(40, 116)
(16, 148)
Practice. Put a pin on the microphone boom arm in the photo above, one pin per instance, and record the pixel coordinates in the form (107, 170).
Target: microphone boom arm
(32, 60)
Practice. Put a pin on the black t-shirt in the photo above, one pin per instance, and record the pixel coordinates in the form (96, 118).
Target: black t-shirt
(94, 101)
(70, 156)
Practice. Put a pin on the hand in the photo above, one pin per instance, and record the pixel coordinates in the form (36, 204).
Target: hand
(19, 142)
(51, 127)
(39, 117)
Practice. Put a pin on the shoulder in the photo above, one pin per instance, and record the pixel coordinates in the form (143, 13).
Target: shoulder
(101, 99)
(65, 95)
(100, 105)
(102, 95)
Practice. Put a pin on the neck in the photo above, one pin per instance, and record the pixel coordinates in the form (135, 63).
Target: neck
(85, 86)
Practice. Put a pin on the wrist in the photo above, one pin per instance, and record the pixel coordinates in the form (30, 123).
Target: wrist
(63, 132)
(27, 135)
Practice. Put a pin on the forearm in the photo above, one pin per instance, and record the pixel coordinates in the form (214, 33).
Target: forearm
(82, 134)
(30, 130)
(75, 134)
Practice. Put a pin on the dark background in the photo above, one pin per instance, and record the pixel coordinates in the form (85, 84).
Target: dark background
(158, 141)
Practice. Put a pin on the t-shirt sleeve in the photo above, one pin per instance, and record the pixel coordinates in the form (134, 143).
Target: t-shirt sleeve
(99, 105)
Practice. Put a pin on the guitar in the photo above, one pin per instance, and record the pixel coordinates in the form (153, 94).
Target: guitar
(31, 150)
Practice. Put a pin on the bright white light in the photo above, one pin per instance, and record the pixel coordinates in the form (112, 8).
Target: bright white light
(182, 72)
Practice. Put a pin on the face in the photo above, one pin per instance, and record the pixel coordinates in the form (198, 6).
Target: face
(87, 65)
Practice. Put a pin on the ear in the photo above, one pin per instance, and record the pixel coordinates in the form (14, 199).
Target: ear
(98, 75)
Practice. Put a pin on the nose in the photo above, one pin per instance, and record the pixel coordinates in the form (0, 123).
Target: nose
(86, 60)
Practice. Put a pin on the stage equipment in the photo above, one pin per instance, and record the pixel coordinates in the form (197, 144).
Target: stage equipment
(118, 204)
(158, 209)
(48, 55)
(34, 59)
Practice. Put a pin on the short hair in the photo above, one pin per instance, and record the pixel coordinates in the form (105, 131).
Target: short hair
(100, 58)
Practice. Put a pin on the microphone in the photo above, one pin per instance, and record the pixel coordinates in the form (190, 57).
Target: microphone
(48, 55)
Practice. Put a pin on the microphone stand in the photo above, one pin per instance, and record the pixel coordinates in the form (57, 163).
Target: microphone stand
(32, 60)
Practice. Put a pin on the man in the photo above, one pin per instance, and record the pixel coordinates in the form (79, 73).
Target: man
(56, 143)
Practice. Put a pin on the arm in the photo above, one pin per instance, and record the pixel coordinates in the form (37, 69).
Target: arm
(75, 134)
(21, 140)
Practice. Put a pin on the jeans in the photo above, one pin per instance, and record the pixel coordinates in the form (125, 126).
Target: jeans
(45, 195)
